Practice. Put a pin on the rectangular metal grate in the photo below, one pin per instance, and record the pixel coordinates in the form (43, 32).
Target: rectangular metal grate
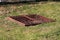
(29, 20)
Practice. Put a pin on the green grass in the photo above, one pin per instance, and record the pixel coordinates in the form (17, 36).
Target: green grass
(47, 31)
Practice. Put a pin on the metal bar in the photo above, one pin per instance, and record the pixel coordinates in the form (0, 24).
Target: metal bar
(15, 0)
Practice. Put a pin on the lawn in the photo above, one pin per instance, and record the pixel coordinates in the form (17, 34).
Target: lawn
(46, 31)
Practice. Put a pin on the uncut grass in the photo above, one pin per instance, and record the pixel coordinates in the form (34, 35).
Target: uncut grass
(47, 31)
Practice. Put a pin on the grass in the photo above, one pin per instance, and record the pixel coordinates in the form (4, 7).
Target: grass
(47, 31)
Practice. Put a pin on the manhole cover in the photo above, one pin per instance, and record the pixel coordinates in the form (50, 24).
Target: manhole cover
(29, 20)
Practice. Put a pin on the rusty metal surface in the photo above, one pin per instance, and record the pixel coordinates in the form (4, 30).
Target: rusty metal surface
(29, 20)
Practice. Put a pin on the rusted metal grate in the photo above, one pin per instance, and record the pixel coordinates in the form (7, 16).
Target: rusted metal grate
(29, 20)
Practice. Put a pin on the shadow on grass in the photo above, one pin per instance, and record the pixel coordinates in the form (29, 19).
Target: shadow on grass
(6, 3)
